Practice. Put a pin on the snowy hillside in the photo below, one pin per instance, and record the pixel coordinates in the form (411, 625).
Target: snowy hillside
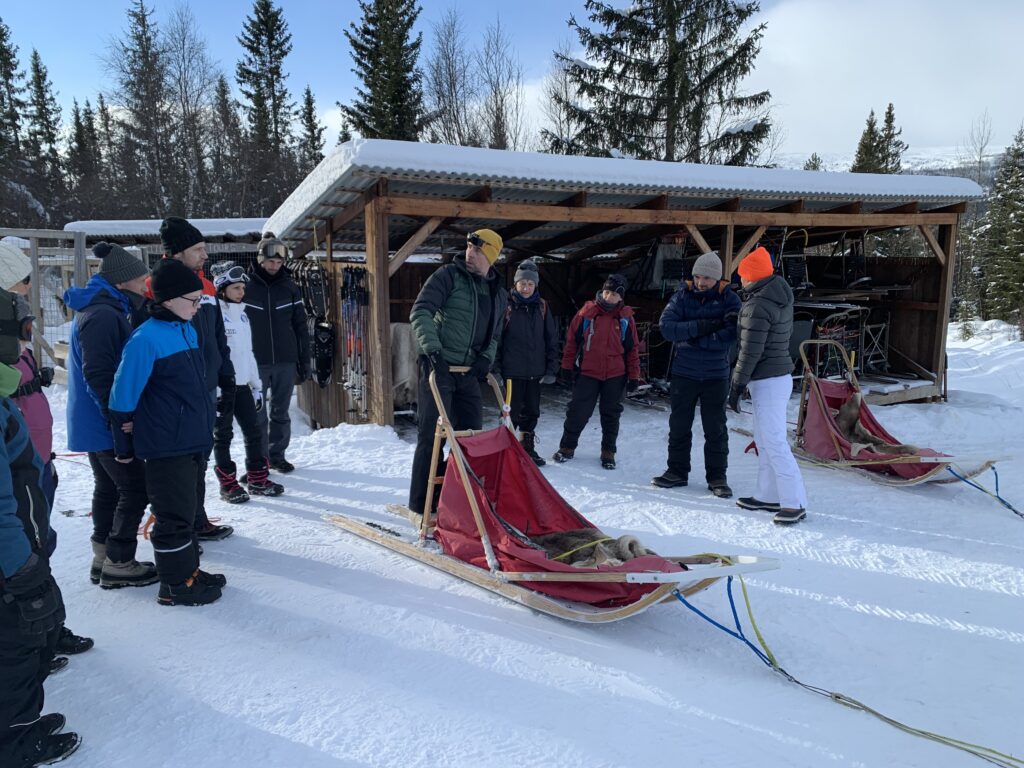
(329, 651)
(916, 159)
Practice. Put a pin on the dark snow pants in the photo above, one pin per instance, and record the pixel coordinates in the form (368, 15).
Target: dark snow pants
(200, 521)
(118, 503)
(525, 404)
(586, 393)
(278, 384)
(241, 407)
(461, 397)
(171, 485)
(712, 394)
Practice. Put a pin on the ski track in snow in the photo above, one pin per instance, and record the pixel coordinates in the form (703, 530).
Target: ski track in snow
(327, 650)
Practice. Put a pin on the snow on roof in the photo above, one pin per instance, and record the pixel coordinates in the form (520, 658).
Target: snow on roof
(356, 163)
(151, 227)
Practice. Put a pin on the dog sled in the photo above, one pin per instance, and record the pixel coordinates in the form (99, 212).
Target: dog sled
(493, 501)
(835, 428)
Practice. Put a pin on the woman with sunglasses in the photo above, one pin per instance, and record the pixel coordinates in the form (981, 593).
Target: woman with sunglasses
(160, 413)
(244, 400)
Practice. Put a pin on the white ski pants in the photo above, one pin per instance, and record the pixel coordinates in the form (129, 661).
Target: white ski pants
(778, 476)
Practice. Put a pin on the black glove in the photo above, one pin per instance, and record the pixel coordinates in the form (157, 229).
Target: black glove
(34, 593)
(566, 377)
(707, 327)
(730, 319)
(631, 385)
(734, 397)
(46, 376)
(438, 364)
(302, 373)
(480, 368)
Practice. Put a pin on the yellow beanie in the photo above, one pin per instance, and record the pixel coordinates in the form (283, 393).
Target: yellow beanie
(488, 241)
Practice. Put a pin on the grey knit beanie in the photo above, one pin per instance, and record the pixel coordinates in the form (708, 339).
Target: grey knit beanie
(708, 265)
(118, 266)
(527, 270)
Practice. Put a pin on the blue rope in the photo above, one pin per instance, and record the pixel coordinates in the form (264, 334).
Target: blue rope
(985, 490)
(738, 633)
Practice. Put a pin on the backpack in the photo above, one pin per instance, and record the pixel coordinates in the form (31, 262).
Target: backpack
(586, 329)
(508, 313)
(10, 329)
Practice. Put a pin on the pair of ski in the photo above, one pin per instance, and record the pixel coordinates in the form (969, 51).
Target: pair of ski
(354, 303)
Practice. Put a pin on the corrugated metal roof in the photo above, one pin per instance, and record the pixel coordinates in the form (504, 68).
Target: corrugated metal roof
(150, 228)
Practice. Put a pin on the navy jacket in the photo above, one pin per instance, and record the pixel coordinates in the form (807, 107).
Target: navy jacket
(693, 356)
(278, 318)
(161, 387)
(98, 334)
(213, 342)
(24, 513)
(528, 347)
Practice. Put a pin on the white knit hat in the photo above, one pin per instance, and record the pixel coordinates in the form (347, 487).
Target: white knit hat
(14, 266)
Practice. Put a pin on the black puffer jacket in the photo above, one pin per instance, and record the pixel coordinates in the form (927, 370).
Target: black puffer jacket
(274, 306)
(528, 348)
(765, 325)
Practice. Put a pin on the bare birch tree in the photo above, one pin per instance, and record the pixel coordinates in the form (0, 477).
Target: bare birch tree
(451, 86)
(503, 97)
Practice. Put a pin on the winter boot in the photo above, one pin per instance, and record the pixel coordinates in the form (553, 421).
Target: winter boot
(789, 516)
(527, 439)
(720, 488)
(99, 554)
(50, 724)
(57, 663)
(669, 479)
(70, 643)
(214, 532)
(282, 465)
(259, 483)
(607, 459)
(128, 574)
(47, 748)
(230, 490)
(749, 502)
(218, 580)
(192, 591)
(563, 454)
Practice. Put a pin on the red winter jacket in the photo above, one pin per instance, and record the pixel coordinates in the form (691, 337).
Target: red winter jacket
(597, 335)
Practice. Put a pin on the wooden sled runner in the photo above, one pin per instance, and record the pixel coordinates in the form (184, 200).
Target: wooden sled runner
(824, 436)
(492, 500)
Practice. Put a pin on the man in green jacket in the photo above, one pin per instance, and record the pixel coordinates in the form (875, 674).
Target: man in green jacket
(457, 321)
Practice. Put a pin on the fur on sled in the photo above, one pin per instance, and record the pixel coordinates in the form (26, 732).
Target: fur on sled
(589, 548)
(848, 421)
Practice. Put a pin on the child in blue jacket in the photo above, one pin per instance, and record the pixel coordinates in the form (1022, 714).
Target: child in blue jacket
(160, 413)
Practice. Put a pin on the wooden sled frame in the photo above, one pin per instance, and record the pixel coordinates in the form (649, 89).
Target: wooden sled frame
(941, 463)
(702, 570)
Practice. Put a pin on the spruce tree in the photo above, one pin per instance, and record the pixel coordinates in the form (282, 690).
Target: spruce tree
(1001, 256)
(344, 133)
(45, 174)
(267, 104)
(228, 162)
(389, 103)
(11, 105)
(891, 146)
(311, 140)
(106, 128)
(814, 163)
(84, 165)
(868, 158)
(662, 81)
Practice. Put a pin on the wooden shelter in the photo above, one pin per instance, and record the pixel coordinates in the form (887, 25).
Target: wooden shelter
(390, 199)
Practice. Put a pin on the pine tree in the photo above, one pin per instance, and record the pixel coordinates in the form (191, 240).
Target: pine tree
(84, 165)
(891, 146)
(389, 104)
(344, 133)
(12, 198)
(107, 139)
(1001, 255)
(814, 163)
(661, 81)
(868, 158)
(268, 107)
(228, 163)
(45, 176)
(311, 141)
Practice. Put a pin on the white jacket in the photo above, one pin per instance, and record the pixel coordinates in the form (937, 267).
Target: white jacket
(239, 335)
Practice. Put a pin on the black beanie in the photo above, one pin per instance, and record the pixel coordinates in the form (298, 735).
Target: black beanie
(616, 283)
(172, 279)
(177, 235)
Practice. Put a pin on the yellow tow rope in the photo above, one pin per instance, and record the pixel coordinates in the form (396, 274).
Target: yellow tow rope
(583, 546)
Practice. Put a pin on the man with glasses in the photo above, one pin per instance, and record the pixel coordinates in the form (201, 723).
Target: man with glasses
(280, 340)
(183, 242)
(457, 320)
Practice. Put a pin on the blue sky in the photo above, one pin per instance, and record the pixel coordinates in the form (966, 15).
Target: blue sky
(827, 62)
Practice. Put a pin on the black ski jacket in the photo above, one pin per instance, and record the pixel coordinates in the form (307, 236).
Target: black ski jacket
(528, 348)
(765, 325)
(274, 306)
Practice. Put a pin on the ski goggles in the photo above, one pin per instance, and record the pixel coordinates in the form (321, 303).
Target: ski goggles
(275, 251)
(233, 275)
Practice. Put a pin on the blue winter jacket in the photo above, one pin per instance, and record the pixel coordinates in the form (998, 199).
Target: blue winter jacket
(693, 356)
(98, 334)
(160, 385)
(24, 513)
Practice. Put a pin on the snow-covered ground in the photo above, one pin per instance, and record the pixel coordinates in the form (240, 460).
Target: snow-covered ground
(327, 650)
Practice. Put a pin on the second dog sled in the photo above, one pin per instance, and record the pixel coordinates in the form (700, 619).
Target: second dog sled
(493, 499)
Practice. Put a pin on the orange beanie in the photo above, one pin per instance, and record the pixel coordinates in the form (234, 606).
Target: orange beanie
(757, 265)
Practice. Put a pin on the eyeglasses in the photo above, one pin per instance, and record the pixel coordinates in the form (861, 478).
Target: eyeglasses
(193, 302)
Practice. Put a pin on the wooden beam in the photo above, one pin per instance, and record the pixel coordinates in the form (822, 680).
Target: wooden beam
(732, 204)
(698, 238)
(905, 208)
(579, 200)
(933, 244)
(620, 241)
(857, 207)
(659, 203)
(409, 246)
(797, 206)
(748, 246)
(351, 211)
(377, 343)
(947, 244)
(725, 252)
(954, 208)
(408, 206)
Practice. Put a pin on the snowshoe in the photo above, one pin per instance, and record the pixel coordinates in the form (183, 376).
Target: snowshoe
(669, 479)
(720, 488)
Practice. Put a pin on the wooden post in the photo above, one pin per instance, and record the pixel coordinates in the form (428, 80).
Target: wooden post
(377, 343)
(947, 242)
(81, 273)
(34, 298)
(726, 254)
